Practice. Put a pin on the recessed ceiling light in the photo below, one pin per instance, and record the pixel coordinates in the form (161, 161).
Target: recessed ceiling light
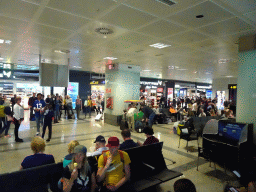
(159, 45)
(199, 16)
(195, 72)
(171, 67)
(111, 58)
(223, 60)
(1, 41)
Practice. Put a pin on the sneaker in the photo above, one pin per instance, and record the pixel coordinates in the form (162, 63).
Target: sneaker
(7, 136)
(37, 133)
(47, 140)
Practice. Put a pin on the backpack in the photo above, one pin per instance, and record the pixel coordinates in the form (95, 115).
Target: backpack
(104, 153)
(2, 114)
(8, 111)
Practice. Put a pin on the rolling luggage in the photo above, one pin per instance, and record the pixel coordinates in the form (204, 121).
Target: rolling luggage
(123, 125)
(98, 117)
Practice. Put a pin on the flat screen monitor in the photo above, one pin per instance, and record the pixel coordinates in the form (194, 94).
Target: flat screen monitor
(232, 132)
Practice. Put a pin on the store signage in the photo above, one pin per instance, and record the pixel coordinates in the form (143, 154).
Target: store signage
(108, 90)
(151, 83)
(232, 86)
(170, 91)
(94, 82)
(160, 90)
(204, 87)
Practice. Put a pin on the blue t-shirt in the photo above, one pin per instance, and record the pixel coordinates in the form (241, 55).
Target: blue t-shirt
(37, 105)
(37, 159)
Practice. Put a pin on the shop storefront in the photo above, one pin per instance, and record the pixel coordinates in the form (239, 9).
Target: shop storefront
(97, 89)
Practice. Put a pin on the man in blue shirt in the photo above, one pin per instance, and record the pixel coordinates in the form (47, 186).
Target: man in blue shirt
(38, 107)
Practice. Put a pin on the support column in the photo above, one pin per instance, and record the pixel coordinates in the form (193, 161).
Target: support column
(246, 83)
(122, 83)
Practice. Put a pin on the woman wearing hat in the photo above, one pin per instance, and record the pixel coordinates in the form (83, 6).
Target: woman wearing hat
(78, 175)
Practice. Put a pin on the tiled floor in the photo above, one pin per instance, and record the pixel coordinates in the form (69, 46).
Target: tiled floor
(86, 130)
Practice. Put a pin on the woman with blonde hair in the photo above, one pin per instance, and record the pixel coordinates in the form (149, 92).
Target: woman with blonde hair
(38, 158)
(78, 175)
(68, 158)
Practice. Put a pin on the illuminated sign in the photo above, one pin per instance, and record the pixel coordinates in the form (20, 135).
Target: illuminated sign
(94, 82)
(151, 83)
(232, 86)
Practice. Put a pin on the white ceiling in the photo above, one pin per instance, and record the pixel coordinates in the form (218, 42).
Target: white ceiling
(42, 26)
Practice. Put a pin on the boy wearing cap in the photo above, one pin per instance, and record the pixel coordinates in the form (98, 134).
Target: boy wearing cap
(100, 143)
(113, 167)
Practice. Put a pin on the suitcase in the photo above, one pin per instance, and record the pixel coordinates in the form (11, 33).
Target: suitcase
(98, 117)
(124, 124)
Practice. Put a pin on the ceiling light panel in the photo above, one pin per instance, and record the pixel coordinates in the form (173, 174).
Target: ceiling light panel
(62, 20)
(130, 18)
(211, 12)
(161, 29)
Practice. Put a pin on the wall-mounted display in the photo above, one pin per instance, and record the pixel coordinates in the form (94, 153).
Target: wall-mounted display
(109, 103)
(73, 92)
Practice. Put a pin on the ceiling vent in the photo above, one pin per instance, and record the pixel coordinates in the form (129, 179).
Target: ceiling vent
(104, 31)
(166, 2)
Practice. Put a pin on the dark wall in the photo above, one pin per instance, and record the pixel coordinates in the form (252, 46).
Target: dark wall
(83, 78)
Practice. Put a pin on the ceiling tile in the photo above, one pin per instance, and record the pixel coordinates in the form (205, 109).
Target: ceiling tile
(251, 16)
(211, 12)
(13, 24)
(161, 29)
(51, 31)
(128, 18)
(18, 9)
(88, 8)
(227, 27)
(242, 5)
(186, 37)
(62, 20)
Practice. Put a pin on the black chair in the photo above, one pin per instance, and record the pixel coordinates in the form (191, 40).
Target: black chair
(188, 134)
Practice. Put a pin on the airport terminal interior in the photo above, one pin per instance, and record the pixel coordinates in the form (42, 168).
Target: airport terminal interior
(157, 52)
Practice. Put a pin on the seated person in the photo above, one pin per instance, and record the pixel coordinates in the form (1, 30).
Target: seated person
(113, 167)
(172, 110)
(184, 185)
(150, 138)
(128, 142)
(201, 113)
(68, 158)
(100, 143)
(39, 158)
(78, 175)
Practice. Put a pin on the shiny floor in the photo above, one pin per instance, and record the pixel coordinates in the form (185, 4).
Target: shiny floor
(86, 130)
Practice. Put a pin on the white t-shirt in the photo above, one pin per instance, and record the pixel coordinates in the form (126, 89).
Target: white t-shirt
(18, 112)
(98, 152)
(131, 112)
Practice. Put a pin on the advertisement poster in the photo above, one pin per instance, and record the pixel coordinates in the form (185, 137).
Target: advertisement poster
(73, 92)
(109, 104)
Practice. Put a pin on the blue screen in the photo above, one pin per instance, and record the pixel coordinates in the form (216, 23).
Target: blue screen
(230, 131)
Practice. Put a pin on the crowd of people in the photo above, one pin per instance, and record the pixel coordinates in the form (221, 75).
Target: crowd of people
(112, 174)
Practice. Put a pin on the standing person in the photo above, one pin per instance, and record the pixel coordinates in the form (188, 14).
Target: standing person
(8, 117)
(48, 115)
(57, 109)
(30, 104)
(88, 106)
(149, 114)
(98, 104)
(69, 107)
(61, 106)
(102, 104)
(38, 106)
(18, 117)
(130, 115)
(78, 106)
(65, 105)
(78, 175)
(13, 100)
